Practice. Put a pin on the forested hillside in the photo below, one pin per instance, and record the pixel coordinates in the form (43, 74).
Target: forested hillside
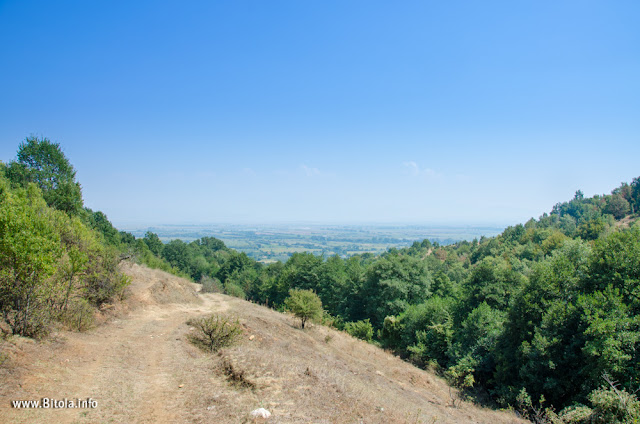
(544, 317)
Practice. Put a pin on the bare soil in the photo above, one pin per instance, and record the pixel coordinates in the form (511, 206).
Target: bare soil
(139, 368)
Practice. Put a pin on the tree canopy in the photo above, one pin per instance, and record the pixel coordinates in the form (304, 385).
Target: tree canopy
(42, 162)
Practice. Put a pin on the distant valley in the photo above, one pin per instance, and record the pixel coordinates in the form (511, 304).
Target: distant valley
(276, 242)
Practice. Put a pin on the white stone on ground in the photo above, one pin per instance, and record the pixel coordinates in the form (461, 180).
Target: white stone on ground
(260, 413)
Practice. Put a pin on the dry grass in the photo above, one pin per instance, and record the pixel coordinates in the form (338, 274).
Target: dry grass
(141, 368)
(324, 376)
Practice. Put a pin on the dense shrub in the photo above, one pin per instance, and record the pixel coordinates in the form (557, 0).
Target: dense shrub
(211, 285)
(361, 329)
(214, 332)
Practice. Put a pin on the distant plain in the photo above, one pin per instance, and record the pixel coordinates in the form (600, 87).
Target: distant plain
(273, 242)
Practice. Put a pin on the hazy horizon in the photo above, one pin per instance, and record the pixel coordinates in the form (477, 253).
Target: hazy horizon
(327, 112)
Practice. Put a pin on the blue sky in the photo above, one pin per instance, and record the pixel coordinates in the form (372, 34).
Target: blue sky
(327, 111)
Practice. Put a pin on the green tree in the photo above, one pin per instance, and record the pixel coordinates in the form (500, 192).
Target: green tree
(42, 162)
(29, 252)
(493, 281)
(177, 253)
(304, 304)
(424, 331)
(392, 284)
(616, 262)
(475, 342)
(617, 206)
(153, 243)
(99, 222)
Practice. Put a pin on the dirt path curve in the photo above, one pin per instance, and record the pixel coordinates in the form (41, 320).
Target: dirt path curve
(132, 367)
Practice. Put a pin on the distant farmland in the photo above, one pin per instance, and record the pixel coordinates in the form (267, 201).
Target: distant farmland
(270, 243)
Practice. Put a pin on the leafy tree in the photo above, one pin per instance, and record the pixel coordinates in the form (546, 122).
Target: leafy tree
(153, 242)
(617, 206)
(29, 251)
(392, 284)
(476, 340)
(556, 280)
(99, 222)
(612, 338)
(304, 304)
(127, 238)
(635, 194)
(177, 253)
(493, 281)
(424, 331)
(335, 286)
(302, 271)
(616, 262)
(42, 162)
(236, 262)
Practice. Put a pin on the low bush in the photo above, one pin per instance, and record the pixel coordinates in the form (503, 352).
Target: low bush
(214, 332)
(234, 290)
(362, 330)
(211, 285)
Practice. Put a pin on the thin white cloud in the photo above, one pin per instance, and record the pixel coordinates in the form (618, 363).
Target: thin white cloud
(309, 172)
(413, 169)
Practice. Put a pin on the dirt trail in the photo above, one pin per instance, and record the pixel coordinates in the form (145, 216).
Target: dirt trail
(130, 367)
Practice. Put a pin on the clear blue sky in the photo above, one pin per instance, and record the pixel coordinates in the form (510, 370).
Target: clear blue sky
(327, 111)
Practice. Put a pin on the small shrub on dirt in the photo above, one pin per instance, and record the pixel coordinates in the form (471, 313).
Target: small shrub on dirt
(362, 330)
(211, 285)
(214, 332)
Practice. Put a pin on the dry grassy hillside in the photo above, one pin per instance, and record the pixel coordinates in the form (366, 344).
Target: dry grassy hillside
(139, 367)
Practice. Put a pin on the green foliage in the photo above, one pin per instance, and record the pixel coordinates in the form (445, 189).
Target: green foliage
(51, 264)
(214, 332)
(153, 243)
(176, 252)
(612, 406)
(304, 304)
(42, 162)
(423, 332)
(617, 206)
(29, 251)
(78, 315)
(234, 290)
(362, 330)
(475, 341)
(591, 229)
(99, 222)
(493, 281)
(235, 262)
(616, 262)
(392, 284)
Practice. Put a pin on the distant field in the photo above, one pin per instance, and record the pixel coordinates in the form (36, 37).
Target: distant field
(270, 243)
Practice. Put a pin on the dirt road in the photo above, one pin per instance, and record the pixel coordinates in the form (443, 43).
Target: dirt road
(133, 368)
